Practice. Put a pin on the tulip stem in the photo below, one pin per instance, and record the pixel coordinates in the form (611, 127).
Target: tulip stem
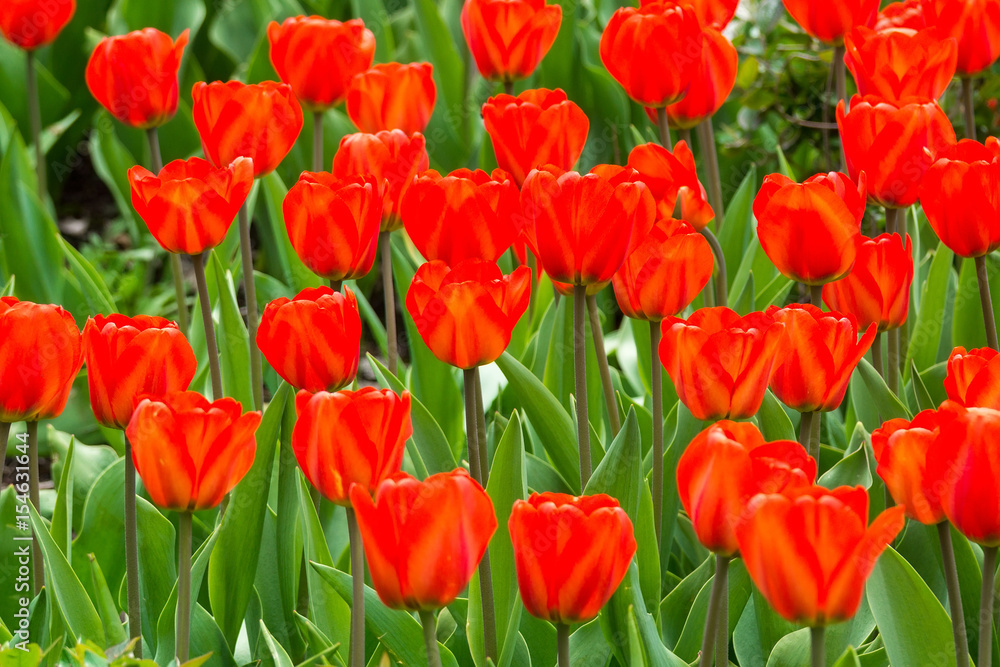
(721, 278)
(484, 458)
(809, 432)
(385, 249)
(580, 375)
(471, 425)
(706, 135)
(710, 640)
(562, 639)
(656, 369)
(430, 638)
(508, 87)
(970, 109)
(816, 296)
(602, 364)
(984, 296)
(954, 595)
(358, 591)
(818, 646)
(986, 607)
(183, 630)
(892, 361)
(206, 320)
(664, 127)
(533, 291)
(840, 74)
(132, 554)
(317, 141)
(36, 554)
(336, 285)
(35, 116)
(250, 293)
(877, 354)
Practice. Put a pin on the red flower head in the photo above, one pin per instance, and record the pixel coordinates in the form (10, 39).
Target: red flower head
(725, 466)
(973, 378)
(570, 553)
(713, 80)
(464, 215)
(319, 57)
(811, 231)
(424, 540)
(508, 38)
(714, 13)
(40, 355)
(877, 290)
(190, 205)
(830, 21)
(392, 157)
(333, 223)
(134, 76)
(822, 350)
(720, 362)
(672, 178)
(901, 448)
(893, 144)
(466, 314)
(191, 452)
(976, 26)
(899, 64)
(260, 121)
(29, 24)
(350, 438)
(907, 14)
(391, 96)
(536, 128)
(132, 357)
(314, 340)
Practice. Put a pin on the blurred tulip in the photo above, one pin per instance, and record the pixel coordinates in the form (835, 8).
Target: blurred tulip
(40, 355)
(424, 539)
(877, 290)
(508, 38)
(314, 340)
(133, 357)
(725, 466)
(464, 215)
(901, 448)
(830, 21)
(811, 551)
(973, 378)
(907, 14)
(714, 13)
(536, 128)
(392, 96)
(134, 76)
(570, 553)
(976, 26)
(190, 205)
(350, 438)
(318, 57)
(811, 231)
(333, 223)
(260, 121)
(821, 352)
(899, 64)
(391, 157)
(893, 145)
(711, 84)
(466, 314)
(672, 179)
(29, 24)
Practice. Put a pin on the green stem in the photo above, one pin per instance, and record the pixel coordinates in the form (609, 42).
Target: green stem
(806, 431)
(664, 127)
(430, 638)
(818, 635)
(954, 595)
(206, 320)
(816, 296)
(484, 459)
(250, 293)
(722, 626)
(336, 285)
(183, 629)
(891, 220)
(984, 296)
(840, 73)
(892, 361)
(508, 87)
(968, 100)
(562, 639)
(358, 591)
(721, 279)
(602, 364)
(877, 354)
(656, 369)
(385, 250)
(132, 554)
(36, 553)
(719, 584)
(986, 607)
(471, 425)
(706, 133)
(533, 292)
(35, 116)
(317, 163)
(580, 374)
(686, 136)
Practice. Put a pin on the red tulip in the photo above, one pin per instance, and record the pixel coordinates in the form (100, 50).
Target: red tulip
(811, 231)
(721, 363)
(901, 448)
(536, 128)
(714, 13)
(128, 358)
(333, 223)
(961, 196)
(811, 551)
(665, 273)
(899, 64)
(134, 76)
(260, 121)
(508, 38)
(314, 340)
(350, 438)
(830, 21)
(319, 57)
(424, 540)
(191, 452)
(973, 378)
(907, 14)
(190, 205)
(390, 157)
(725, 466)
(711, 84)
(570, 553)
(877, 290)
(893, 144)
(976, 26)
(392, 96)
(29, 24)
(40, 355)
(653, 51)
(821, 352)
(672, 178)
(466, 314)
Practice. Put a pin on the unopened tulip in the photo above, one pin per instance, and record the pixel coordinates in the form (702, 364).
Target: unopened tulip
(973, 378)
(509, 38)
(391, 96)
(877, 290)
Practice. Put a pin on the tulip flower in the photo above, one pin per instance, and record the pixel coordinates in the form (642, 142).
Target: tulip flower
(711, 84)
(350, 438)
(906, 14)
(30, 24)
(672, 179)
(714, 13)
(391, 96)
(653, 51)
(314, 340)
(333, 223)
(829, 22)
(318, 57)
(901, 448)
(260, 121)
(810, 231)
(466, 314)
(900, 64)
(536, 128)
(973, 378)
(877, 290)
(509, 38)
(190, 205)
(893, 145)
(976, 26)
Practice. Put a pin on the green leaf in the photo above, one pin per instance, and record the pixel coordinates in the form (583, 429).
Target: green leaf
(278, 654)
(855, 468)
(967, 325)
(620, 473)
(233, 339)
(773, 420)
(62, 516)
(157, 565)
(92, 285)
(888, 404)
(921, 395)
(737, 227)
(284, 263)
(849, 659)
(112, 160)
(926, 332)
(169, 17)
(105, 604)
